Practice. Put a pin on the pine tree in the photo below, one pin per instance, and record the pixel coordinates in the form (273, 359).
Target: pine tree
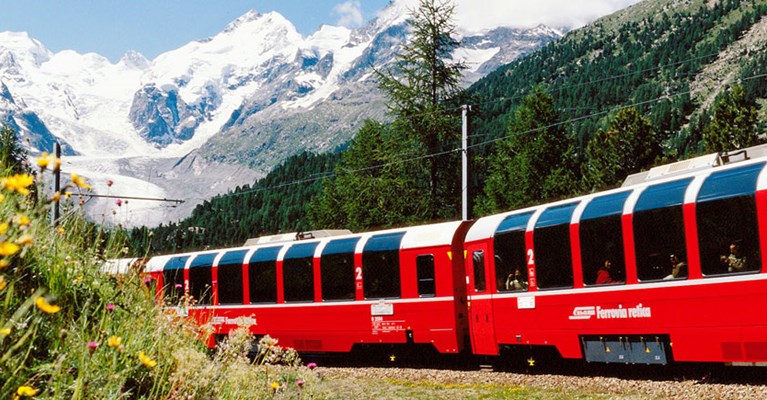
(531, 165)
(627, 146)
(373, 187)
(419, 91)
(733, 123)
(12, 155)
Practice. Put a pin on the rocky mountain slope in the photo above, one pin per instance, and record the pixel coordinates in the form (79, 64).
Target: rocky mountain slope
(215, 113)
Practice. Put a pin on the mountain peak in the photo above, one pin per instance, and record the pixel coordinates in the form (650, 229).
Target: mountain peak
(134, 60)
(24, 48)
(254, 21)
(249, 16)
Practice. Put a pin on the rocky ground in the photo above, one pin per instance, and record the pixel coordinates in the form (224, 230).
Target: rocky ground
(643, 383)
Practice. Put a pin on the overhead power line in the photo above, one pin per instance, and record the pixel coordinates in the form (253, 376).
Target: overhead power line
(109, 196)
(457, 150)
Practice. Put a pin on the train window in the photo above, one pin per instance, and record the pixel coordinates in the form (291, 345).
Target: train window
(425, 270)
(659, 230)
(230, 277)
(510, 253)
(201, 278)
(478, 264)
(262, 275)
(601, 235)
(337, 269)
(380, 263)
(173, 278)
(727, 222)
(551, 240)
(298, 272)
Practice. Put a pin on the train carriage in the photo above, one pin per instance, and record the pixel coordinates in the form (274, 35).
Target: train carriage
(670, 292)
(666, 268)
(328, 294)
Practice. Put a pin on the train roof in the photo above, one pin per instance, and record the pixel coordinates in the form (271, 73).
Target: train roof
(295, 236)
(700, 166)
(413, 237)
(118, 266)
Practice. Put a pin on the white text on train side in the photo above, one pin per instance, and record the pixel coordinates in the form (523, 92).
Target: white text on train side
(244, 321)
(586, 312)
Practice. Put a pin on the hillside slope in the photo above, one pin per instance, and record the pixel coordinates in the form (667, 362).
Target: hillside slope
(668, 57)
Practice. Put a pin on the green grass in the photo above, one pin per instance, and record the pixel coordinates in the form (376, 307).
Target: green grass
(68, 331)
(388, 388)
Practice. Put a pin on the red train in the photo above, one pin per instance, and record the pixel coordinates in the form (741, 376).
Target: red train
(667, 268)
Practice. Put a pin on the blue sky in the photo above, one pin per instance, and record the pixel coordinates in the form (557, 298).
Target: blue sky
(111, 27)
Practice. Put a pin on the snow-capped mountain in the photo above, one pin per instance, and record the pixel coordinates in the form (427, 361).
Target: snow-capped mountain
(214, 113)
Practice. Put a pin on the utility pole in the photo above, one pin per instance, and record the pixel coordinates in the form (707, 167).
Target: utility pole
(55, 214)
(465, 173)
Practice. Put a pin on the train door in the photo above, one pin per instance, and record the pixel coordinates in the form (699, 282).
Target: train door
(480, 301)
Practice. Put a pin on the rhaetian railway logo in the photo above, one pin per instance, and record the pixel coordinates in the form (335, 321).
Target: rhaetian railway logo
(586, 312)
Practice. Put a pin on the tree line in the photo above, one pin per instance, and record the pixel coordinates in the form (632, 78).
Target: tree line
(557, 123)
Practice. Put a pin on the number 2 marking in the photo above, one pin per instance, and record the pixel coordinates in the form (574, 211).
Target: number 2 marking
(530, 258)
(358, 273)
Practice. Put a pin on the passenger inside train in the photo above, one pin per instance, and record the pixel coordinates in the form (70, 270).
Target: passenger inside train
(604, 276)
(736, 261)
(516, 281)
(678, 268)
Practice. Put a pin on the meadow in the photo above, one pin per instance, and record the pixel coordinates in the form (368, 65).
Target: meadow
(69, 331)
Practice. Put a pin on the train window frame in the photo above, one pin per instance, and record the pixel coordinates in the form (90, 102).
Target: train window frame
(553, 248)
(478, 267)
(298, 273)
(230, 283)
(173, 289)
(598, 241)
(732, 194)
(425, 274)
(510, 252)
(262, 275)
(660, 205)
(381, 274)
(337, 278)
(201, 273)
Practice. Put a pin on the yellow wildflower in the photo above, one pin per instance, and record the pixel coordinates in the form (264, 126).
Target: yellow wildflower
(3, 282)
(4, 262)
(25, 240)
(43, 161)
(18, 183)
(45, 307)
(68, 194)
(4, 227)
(5, 331)
(56, 164)
(146, 360)
(60, 230)
(8, 248)
(26, 391)
(2, 197)
(56, 197)
(275, 385)
(80, 182)
(21, 220)
(114, 341)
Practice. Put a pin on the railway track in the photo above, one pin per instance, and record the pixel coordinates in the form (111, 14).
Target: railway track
(615, 381)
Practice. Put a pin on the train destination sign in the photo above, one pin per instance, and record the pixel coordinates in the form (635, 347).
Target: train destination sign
(586, 312)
